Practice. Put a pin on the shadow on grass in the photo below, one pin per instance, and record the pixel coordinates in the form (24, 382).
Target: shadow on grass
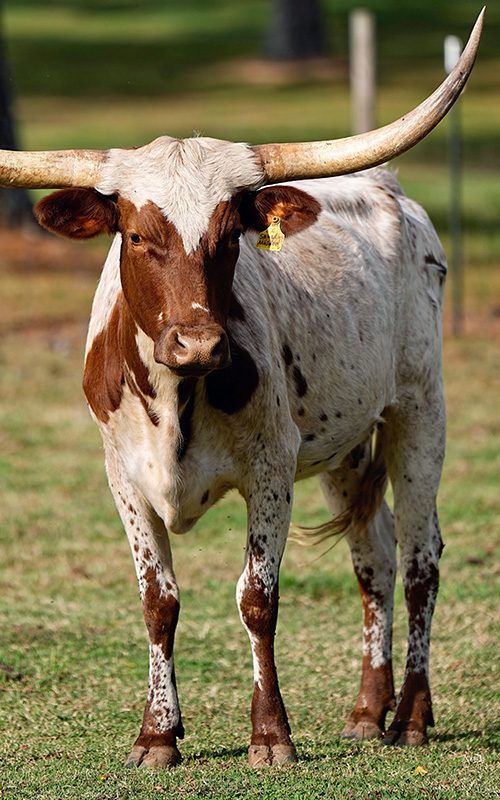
(490, 737)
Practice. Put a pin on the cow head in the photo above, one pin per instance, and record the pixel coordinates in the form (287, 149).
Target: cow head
(177, 264)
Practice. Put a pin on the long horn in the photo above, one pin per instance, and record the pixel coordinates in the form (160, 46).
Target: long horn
(51, 169)
(293, 161)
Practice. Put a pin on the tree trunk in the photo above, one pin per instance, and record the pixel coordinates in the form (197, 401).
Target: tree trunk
(15, 204)
(295, 30)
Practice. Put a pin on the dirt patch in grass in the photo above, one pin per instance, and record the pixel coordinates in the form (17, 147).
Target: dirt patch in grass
(25, 252)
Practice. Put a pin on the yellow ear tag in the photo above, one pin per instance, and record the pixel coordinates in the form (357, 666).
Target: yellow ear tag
(272, 238)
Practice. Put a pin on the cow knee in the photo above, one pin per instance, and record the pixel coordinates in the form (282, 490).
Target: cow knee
(161, 611)
(258, 606)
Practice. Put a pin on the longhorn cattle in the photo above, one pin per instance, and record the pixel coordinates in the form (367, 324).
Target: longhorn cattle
(211, 364)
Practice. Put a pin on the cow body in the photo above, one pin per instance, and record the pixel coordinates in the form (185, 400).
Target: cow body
(252, 380)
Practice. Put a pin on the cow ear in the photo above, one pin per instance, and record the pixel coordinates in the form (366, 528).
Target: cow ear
(77, 213)
(295, 209)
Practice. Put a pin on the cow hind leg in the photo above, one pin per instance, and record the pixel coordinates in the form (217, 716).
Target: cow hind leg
(356, 489)
(156, 745)
(414, 449)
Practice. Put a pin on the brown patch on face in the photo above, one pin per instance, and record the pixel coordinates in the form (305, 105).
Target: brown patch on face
(159, 278)
(114, 360)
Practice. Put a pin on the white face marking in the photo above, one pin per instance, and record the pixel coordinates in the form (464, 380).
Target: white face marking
(202, 308)
(186, 179)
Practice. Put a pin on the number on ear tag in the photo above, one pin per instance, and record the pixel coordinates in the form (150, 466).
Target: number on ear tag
(272, 238)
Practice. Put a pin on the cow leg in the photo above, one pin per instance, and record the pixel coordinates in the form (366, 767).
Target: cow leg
(257, 596)
(414, 453)
(373, 553)
(148, 539)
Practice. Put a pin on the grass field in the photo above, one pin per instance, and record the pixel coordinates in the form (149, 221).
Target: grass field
(73, 652)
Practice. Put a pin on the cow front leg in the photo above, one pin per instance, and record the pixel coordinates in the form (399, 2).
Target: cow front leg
(415, 450)
(156, 745)
(257, 597)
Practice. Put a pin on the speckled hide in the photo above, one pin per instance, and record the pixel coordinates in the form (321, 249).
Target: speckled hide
(213, 365)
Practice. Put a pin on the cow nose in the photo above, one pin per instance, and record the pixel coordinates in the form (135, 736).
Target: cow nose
(193, 350)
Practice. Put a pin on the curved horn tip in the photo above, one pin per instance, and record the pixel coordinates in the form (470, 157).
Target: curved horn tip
(478, 25)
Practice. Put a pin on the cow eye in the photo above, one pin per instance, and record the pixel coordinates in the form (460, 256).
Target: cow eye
(135, 238)
(235, 236)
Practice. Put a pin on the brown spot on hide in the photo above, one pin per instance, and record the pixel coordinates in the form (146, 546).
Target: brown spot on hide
(113, 359)
(259, 612)
(356, 455)
(300, 382)
(161, 613)
(376, 692)
(287, 354)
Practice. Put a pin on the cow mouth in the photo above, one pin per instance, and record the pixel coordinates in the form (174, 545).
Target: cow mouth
(197, 370)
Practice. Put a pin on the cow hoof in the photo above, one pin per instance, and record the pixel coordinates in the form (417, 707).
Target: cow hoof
(284, 754)
(260, 755)
(159, 757)
(362, 730)
(403, 738)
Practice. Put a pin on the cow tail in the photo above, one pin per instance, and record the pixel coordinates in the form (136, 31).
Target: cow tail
(358, 515)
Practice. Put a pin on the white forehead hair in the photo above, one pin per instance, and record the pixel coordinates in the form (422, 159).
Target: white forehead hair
(185, 178)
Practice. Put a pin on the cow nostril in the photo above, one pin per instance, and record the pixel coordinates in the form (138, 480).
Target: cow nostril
(182, 343)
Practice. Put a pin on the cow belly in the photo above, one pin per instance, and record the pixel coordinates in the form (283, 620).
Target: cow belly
(327, 451)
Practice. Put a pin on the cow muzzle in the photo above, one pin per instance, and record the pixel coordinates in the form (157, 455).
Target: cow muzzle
(193, 351)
